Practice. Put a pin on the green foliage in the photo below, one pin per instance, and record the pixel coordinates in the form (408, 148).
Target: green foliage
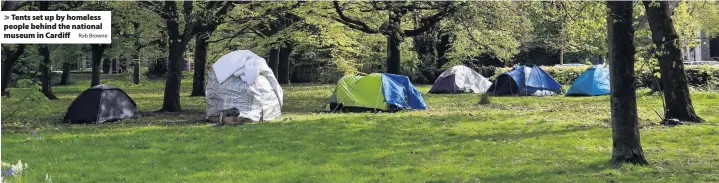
(572, 26)
(495, 28)
(565, 75)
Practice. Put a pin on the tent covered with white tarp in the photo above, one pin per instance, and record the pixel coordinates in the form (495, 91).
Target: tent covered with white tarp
(460, 79)
(243, 82)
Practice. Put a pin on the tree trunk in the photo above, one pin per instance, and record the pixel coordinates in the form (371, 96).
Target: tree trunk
(106, 65)
(674, 80)
(9, 64)
(45, 75)
(83, 65)
(136, 64)
(444, 44)
(97, 52)
(561, 55)
(714, 47)
(274, 60)
(136, 72)
(65, 79)
(610, 43)
(283, 68)
(625, 127)
(171, 101)
(393, 54)
(198, 80)
(114, 67)
(122, 67)
(426, 46)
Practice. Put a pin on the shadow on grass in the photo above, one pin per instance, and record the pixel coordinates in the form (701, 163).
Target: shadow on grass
(356, 146)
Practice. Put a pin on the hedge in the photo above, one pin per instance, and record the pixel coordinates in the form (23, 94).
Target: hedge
(704, 76)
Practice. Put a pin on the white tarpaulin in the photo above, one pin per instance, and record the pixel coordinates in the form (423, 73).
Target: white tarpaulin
(242, 80)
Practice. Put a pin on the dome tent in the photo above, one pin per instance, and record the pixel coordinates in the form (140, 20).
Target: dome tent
(99, 104)
(460, 79)
(525, 80)
(243, 83)
(376, 92)
(592, 82)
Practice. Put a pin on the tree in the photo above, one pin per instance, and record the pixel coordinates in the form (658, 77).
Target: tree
(213, 14)
(568, 29)
(67, 55)
(65, 77)
(678, 102)
(45, 75)
(97, 51)
(392, 27)
(283, 68)
(10, 56)
(276, 34)
(44, 51)
(178, 38)
(625, 126)
(489, 31)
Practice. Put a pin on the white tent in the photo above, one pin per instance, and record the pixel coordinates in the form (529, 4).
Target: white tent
(243, 81)
(459, 79)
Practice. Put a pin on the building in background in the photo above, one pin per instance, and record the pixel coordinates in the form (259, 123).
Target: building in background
(703, 51)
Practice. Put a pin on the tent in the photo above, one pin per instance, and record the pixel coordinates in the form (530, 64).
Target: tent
(592, 82)
(240, 83)
(377, 91)
(460, 79)
(525, 80)
(100, 104)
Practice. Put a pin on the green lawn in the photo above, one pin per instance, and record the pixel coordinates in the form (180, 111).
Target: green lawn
(514, 139)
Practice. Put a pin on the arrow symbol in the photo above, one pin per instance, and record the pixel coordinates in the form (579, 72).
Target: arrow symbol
(7, 17)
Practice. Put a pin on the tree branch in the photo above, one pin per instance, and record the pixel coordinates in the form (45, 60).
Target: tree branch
(190, 21)
(156, 7)
(236, 34)
(430, 21)
(220, 14)
(352, 23)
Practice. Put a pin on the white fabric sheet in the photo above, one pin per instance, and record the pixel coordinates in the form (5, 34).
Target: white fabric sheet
(467, 79)
(241, 63)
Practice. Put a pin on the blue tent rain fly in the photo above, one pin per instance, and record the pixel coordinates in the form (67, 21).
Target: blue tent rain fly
(593, 82)
(525, 80)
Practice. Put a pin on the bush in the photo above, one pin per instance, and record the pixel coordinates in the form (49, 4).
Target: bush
(706, 76)
(565, 75)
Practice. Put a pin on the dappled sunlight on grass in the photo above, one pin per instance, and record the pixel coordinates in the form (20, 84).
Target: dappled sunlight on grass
(512, 139)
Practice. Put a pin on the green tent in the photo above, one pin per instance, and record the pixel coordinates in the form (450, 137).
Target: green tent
(361, 91)
(377, 91)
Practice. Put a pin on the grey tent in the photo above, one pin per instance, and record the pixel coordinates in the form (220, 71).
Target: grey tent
(460, 79)
(100, 104)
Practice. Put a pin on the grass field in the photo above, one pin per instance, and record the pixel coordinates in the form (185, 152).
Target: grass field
(514, 139)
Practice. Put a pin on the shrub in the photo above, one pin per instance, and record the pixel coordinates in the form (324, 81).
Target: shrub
(565, 75)
(705, 76)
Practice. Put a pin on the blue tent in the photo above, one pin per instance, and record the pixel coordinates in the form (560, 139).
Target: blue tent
(525, 80)
(593, 81)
